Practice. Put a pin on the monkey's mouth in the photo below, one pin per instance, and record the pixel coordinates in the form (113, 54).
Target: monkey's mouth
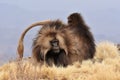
(56, 49)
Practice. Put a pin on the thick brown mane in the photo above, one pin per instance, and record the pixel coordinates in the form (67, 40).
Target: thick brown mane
(41, 44)
(74, 43)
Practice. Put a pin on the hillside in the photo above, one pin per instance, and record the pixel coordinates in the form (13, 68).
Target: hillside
(104, 66)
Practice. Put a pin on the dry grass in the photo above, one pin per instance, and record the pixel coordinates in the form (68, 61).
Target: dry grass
(105, 66)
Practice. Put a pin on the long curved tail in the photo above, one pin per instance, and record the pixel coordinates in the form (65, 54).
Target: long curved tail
(20, 48)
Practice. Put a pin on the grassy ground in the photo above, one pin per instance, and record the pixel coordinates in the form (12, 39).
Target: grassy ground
(105, 66)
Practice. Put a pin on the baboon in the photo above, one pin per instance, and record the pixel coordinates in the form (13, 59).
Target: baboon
(50, 46)
(80, 38)
(61, 44)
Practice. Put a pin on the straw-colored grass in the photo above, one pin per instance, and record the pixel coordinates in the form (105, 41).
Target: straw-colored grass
(105, 66)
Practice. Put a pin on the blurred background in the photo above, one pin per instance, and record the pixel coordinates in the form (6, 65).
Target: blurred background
(102, 16)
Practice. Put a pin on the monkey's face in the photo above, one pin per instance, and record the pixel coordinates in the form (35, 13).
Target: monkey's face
(72, 19)
(55, 46)
(75, 19)
(52, 43)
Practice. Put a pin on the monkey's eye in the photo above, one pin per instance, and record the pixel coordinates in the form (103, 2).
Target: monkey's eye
(54, 43)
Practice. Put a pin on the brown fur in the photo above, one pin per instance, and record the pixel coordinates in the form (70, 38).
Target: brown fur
(75, 37)
(75, 40)
(80, 40)
(41, 44)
